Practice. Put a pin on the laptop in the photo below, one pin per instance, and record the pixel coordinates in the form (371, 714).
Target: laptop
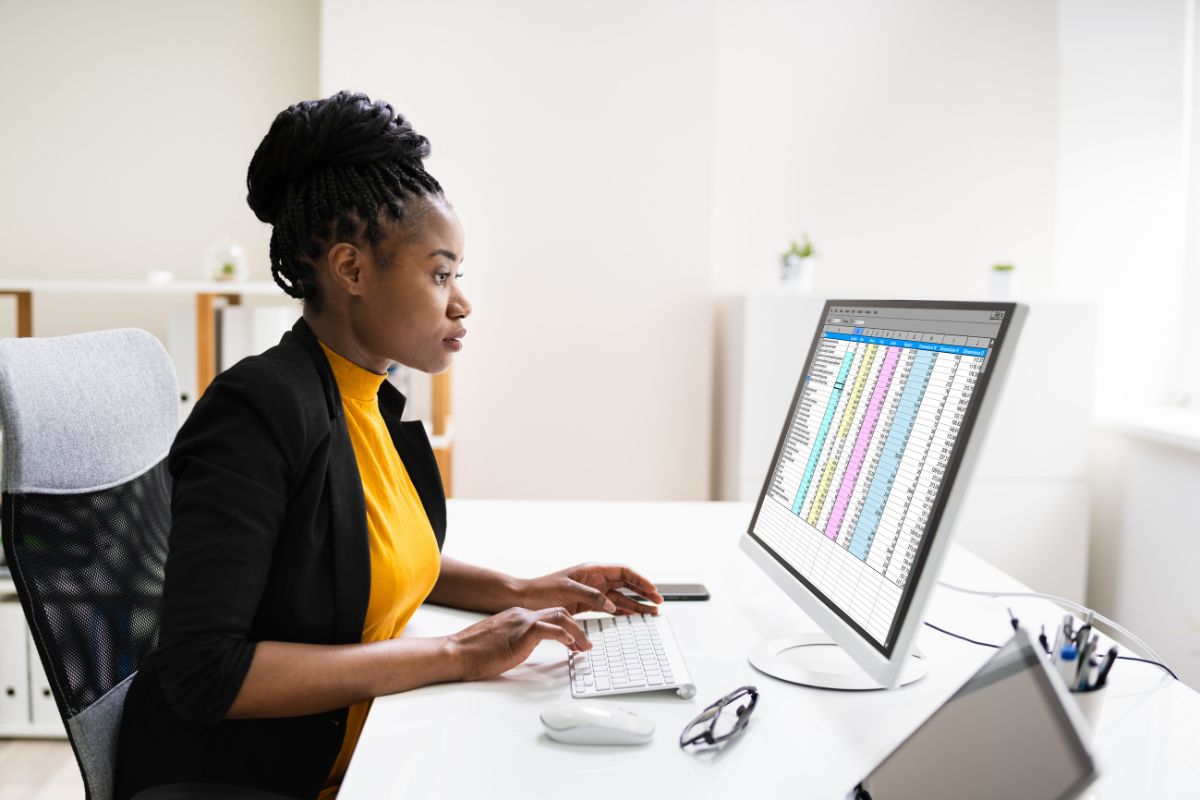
(1010, 731)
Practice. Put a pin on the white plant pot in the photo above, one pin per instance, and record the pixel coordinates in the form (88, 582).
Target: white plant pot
(798, 274)
(1001, 285)
(225, 261)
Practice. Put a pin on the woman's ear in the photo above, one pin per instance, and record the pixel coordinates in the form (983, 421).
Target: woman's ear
(344, 263)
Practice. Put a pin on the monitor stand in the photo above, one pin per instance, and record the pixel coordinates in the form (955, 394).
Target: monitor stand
(813, 659)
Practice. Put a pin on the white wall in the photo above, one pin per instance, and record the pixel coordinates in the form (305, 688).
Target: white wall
(1144, 544)
(574, 140)
(127, 129)
(1121, 187)
(619, 166)
(1121, 241)
(914, 141)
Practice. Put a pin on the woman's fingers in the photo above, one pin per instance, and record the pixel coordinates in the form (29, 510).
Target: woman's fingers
(503, 641)
(589, 597)
(545, 630)
(559, 618)
(640, 584)
(618, 576)
(627, 605)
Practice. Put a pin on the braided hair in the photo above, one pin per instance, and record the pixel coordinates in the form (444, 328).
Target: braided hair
(329, 170)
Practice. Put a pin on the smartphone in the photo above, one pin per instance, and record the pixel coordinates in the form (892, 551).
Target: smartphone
(676, 591)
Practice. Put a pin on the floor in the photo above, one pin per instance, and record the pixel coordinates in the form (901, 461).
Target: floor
(38, 769)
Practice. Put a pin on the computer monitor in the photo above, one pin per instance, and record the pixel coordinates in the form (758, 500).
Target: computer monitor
(854, 515)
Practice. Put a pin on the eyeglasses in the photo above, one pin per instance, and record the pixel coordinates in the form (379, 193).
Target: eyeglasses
(716, 723)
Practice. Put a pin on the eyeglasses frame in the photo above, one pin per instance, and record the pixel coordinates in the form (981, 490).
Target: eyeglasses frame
(743, 718)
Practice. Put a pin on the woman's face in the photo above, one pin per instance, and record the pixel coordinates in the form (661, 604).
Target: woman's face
(410, 308)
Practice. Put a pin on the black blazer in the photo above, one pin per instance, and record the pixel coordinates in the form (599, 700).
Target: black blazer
(268, 543)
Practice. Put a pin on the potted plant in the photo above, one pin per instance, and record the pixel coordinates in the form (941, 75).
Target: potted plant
(1002, 280)
(799, 264)
(225, 261)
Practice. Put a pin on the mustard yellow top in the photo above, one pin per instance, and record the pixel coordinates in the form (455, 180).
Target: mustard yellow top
(405, 561)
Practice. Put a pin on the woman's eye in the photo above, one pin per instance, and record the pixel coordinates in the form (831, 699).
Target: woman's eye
(441, 277)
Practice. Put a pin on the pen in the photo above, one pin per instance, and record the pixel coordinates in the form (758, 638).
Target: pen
(1058, 642)
(1110, 658)
(1081, 674)
(1090, 675)
(1081, 636)
(1086, 649)
(1042, 640)
(1067, 663)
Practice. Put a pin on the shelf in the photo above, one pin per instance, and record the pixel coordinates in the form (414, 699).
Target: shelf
(143, 287)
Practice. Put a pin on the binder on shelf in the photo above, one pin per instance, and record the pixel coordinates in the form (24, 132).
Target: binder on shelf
(246, 331)
(43, 711)
(14, 667)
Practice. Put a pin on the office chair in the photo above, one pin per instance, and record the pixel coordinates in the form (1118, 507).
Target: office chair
(88, 421)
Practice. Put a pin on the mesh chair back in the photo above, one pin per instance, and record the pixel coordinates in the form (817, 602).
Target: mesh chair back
(87, 423)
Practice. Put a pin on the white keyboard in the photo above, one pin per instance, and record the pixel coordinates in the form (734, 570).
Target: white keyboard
(629, 654)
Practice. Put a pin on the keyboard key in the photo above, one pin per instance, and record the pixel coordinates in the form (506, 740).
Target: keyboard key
(628, 654)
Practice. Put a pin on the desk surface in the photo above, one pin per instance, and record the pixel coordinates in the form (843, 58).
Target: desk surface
(485, 739)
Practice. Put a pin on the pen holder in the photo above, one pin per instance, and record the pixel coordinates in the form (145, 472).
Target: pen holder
(1090, 702)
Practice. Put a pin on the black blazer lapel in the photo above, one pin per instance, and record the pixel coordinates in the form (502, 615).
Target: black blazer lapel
(415, 451)
(351, 548)
(347, 505)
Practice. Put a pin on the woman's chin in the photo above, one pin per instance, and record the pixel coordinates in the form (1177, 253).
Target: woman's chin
(438, 366)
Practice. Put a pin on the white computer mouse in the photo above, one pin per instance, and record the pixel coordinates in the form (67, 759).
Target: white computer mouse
(596, 723)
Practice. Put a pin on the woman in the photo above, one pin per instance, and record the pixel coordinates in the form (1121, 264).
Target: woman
(307, 520)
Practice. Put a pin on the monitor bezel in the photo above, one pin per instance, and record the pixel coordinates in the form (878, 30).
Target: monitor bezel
(884, 663)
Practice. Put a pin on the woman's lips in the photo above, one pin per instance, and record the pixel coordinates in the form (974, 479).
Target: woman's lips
(454, 343)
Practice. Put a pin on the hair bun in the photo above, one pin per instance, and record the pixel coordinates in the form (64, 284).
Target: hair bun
(347, 129)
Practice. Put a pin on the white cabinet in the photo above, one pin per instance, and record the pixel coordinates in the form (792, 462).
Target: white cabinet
(1026, 507)
(27, 707)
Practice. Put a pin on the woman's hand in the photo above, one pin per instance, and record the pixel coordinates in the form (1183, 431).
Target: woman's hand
(501, 642)
(590, 587)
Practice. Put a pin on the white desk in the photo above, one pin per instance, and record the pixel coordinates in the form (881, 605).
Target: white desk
(485, 739)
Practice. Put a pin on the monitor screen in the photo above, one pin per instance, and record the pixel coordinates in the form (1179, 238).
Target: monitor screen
(870, 448)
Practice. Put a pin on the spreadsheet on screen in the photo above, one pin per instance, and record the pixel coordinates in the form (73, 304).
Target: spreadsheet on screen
(866, 449)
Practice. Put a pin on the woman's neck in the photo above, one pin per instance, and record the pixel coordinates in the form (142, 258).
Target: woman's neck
(335, 332)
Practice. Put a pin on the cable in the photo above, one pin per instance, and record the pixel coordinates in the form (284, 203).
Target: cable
(960, 636)
(1062, 601)
(996, 647)
(1148, 661)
